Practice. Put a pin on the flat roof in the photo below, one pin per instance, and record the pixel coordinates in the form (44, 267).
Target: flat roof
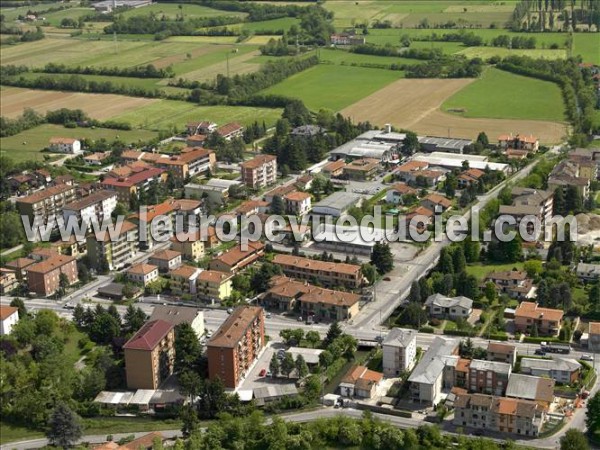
(338, 200)
(436, 159)
(458, 144)
(357, 236)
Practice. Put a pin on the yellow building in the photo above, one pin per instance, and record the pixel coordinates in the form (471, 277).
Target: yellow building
(183, 280)
(189, 245)
(212, 284)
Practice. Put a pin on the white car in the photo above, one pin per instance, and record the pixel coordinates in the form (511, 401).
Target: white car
(587, 358)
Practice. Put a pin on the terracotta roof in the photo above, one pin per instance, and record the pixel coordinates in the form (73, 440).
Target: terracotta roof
(316, 265)
(142, 269)
(258, 161)
(507, 406)
(594, 328)
(50, 264)
(439, 200)
(20, 263)
(430, 173)
(531, 310)
(186, 204)
(7, 311)
(420, 211)
(153, 211)
(508, 275)
(44, 252)
(251, 205)
(334, 166)
(403, 188)
(463, 365)
(165, 255)
(281, 191)
(236, 255)
(149, 335)
(46, 193)
(62, 140)
(330, 297)
(213, 276)
(134, 178)
(232, 330)
(356, 373)
(184, 271)
(497, 347)
(126, 227)
(186, 157)
(229, 128)
(98, 156)
(472, 174)
(197, 138)
(412, 166)
(92, 199)
(297, 196)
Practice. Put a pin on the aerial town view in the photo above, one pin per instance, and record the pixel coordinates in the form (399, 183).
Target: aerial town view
(300, 224)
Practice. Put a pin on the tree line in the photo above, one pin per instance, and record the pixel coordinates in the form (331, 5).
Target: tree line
(152, 24)
(541, 15)
(147, 71)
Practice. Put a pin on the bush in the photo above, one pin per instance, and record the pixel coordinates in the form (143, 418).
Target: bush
(426, 330)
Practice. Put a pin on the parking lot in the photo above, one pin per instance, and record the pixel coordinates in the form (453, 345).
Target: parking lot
(253, 380)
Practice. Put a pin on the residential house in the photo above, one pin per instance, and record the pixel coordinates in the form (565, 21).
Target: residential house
(470, 177)
(419, 218)
(514, 283)
(304, 182)
(297, 203)
(408, 171)
(561, 370)
(452, 308)
(213, 284)
(327, 273)
(65, 145)
(498, 414)
(529, 315)
(9, 316)
(96, 159)
(166, 260)
(362, 169)
(189, 244)
(488, 377)
(399, 351)
(19, 266)
(142, 273)
(177, 315)
(113, 252)
(43, 277)
(8, 281)
(235, 346)
(519, 142)
(334, 169)
(230, 131)
(397, 193)
(134, 185)
(348, 37)
(97, 206)
(260, 171)
(570, 173)
(150, 355)
(184, 279)
(435, 371)
(527, 387)
(588, 272)
(501, 352)
(204, 127)
(530, 202)
(594, 337)
(191, 163)
(436, 203)
(236, 259)
(46, 205)
(360, 382)
(196, 141)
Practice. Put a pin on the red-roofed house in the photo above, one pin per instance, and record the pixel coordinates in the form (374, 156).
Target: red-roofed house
(297, 203)
(134, 184)
(150, 355)
(230, 131)
(360, 382)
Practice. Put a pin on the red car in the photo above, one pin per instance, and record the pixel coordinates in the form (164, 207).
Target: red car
(262, 373)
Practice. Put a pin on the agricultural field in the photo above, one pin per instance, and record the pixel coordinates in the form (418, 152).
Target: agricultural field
(588, 46)
(169, 114)
(343, 57)
(504, 95)
(28, 144)
(415, 104)
(411, 13)
(488, 52)
(54, 18)
(172, 10)
(98, 106)
(333, 87)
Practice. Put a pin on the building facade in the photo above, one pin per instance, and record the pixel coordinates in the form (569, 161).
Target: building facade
(399, 352)
(260, 171)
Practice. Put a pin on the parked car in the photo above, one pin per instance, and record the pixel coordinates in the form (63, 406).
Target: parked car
(229, 310)
(587, 358)
(262, 373)
(540, 352)
(268, 315)
(300, 319)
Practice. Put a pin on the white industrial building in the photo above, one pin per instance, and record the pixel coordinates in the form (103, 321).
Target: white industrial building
(337, 204)
(455, 161)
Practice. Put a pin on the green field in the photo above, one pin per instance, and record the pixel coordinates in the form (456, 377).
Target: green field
(588, 46)
(27, 145)
(503, 95)
(333, 87)
(54, 18)
(171, 10)
(166, 114)
(481, 270)
(488, 52)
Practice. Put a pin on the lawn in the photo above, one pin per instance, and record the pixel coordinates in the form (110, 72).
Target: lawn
(27, 144)
(481, 270)
(588, 46)
(333, 87)
(503, 95)
(165, 114)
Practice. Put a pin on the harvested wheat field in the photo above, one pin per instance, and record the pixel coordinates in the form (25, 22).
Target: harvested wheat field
(98, 106)
(414, 104)
(238, 65)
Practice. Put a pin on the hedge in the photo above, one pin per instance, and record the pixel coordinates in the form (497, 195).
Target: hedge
(469, 333)
(538, 340)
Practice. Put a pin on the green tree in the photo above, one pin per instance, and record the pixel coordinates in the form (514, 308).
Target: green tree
(277, 205)
(187, 348)
(574, 440)
(313, 338)
(325, 358)
(483, 139)
(104, 329)
(459, 262)
(134, 318)
(446, 262)
(533, 267)
(120, 210)
(64, 428)
(274, 365)
(410, 144)
(369, 272)
(490, 291)
(413, 315)
(287, 364)
(415, 292)
(333, 333)
(594, 297)
(301, 366)
(593, 414)
(382, 257)
(20, 305)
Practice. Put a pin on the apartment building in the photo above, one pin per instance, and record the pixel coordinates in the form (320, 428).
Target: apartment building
(177, 315)
(189, 244)
(192, 162)
(156, 224)
(527, 387)
(184, 279)
(452, 308)
(114, 252)
(570, 173)
(150, 355)
(47, 204)
(43, 277)
(399, 351)
(260, 171)
(561, 370)
(527, 202)
(214, 285)
(19, 266)
(133, 185)
(297, 203)
(514, 283)
(327, 273)
(96, 206)
(8, 281)
(488, 377)
(529, 315)
(500, 352)
(166, 260)
(142, 273)
(235, 346)
(362, 169)
(237, 259)
(500, 414)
